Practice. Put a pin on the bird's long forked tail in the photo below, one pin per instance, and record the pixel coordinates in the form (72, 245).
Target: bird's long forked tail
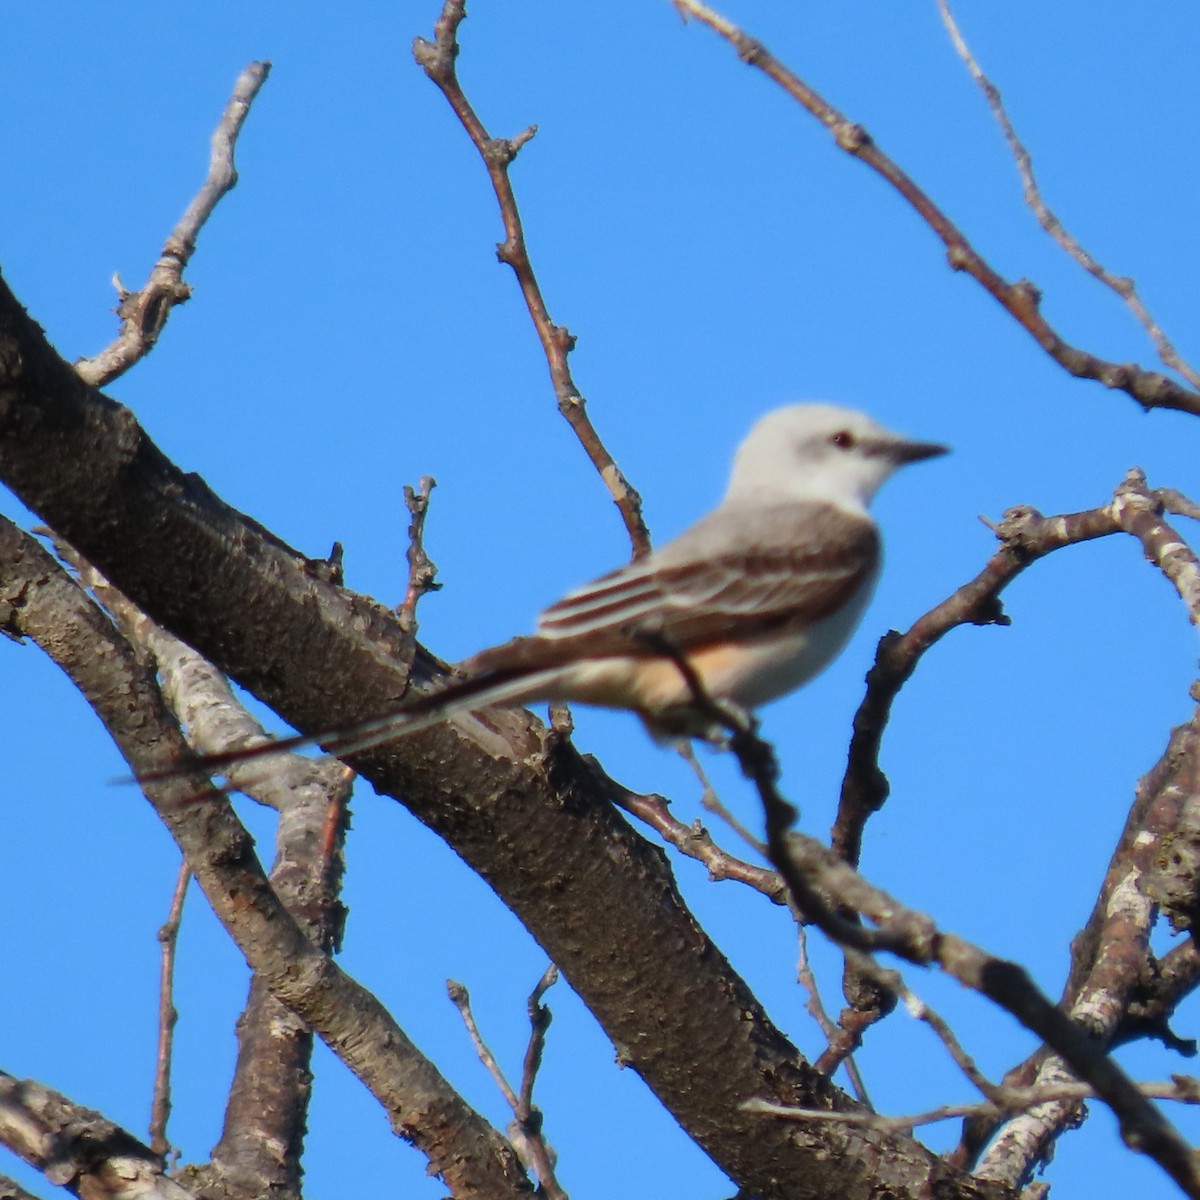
(465, 695)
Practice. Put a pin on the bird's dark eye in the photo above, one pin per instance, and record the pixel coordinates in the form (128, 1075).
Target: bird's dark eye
(843, 439)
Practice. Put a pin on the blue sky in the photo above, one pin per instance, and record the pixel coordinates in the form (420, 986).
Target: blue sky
(716, 256)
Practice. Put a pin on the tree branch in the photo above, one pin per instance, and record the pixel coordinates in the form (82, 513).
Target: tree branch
(1021, 300)
(1122, 285)
(77, 1148)
(525, 1131)
(526, 812)
(832, 895)
(422, 572)
(437, 59)
(144, 314)
(1025, 536)
(168, 937)
(1111, 958)
(46, 605)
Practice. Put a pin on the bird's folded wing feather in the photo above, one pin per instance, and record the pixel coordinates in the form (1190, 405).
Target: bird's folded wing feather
(739, 572)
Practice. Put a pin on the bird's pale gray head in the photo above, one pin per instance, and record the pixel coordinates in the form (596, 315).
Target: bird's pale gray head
(821, 452)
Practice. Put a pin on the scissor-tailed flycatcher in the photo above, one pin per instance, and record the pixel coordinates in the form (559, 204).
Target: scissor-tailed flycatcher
(757, 597)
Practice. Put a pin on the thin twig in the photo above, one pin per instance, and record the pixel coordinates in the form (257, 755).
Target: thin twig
(920, 1011)
(525, 1131)
(1176, 502)
(711, 800)
(168, 937)
(1022, 300)
(696, 842)
(1182, 1088)
(831, 1059)
(461, 999)
(1125, 287)
(539, 1023)
(437, 58)
(422, 571)
(144, 314)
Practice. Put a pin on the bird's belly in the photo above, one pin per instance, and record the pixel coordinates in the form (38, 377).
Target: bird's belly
(772, 667)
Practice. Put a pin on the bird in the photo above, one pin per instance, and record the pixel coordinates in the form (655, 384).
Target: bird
(745, 606)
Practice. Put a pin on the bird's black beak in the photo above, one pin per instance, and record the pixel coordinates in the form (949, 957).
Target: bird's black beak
(904, 451)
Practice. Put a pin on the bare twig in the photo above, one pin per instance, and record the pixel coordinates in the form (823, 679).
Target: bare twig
(1125, 287)
(168, 937)
(525, 1132)
(422, 571)
(840, 1050)
(920, 1011)
(1176, 502)
(712, 802)
(437, 58)
(1025, 536)
(461, 999)
(539, 1023)
(696, 842)
(1151, 389)
(144, 314)
(1008, 1100)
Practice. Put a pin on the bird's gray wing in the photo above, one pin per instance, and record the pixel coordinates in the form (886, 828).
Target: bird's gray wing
(741, 571)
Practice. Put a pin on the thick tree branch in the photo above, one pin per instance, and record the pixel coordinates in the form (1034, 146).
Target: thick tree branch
(43, 603)
(77, 1148)
(515, 803)
(1021, 300)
